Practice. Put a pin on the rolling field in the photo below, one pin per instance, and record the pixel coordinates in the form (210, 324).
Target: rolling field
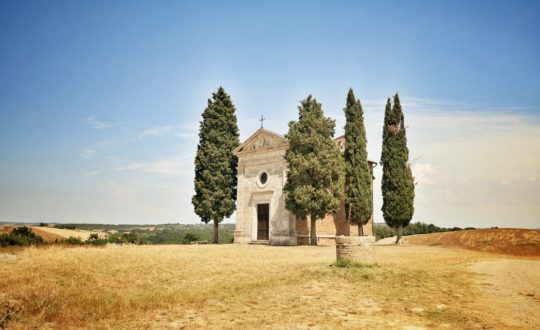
(517, 242)
(232, 286)
(50, 234)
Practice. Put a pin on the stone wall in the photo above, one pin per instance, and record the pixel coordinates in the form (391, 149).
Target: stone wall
(332, 225)
(355, 248)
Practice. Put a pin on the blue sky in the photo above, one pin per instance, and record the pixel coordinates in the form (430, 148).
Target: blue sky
(100, 100)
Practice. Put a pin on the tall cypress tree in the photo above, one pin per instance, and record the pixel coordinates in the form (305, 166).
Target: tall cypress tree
(315, 180)
(215, 164)
(397, 180)
(358, 176)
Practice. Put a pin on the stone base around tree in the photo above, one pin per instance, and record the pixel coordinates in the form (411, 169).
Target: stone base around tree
(357, 249)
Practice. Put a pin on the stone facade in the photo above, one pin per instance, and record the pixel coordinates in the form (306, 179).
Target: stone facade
(261, 216)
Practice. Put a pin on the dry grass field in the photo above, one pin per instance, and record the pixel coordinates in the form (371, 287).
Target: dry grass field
(47, 232)
(232, 286)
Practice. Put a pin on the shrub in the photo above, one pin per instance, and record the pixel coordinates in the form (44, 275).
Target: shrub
(60, 226)
(98, 242)
(382, 231)
(130, 238)
(190, 237)
(11, 240)
(22, 231)
(73, 241)
(20, 236)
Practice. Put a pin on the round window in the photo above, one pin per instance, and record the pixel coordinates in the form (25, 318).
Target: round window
(263, 178)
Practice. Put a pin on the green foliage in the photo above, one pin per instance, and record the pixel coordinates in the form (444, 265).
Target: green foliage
(315, 178)
(346, 263)
(215, 163)
(12, 240)
(22, 236)
(343, 263)
(397, 180)
(94, 239)
(358, 176)
(190, 237)
(124, 238)
(71, 240)
(65, 226)
(382, 230)
(23, 231)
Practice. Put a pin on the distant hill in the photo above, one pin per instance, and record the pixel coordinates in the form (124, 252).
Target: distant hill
(517, 242)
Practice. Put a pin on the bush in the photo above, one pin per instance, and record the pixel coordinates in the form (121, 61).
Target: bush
(20, 236)
(11, 240)
(98, 242)
(60, 226)
(190, 237)
(73, 241)
(382, 231)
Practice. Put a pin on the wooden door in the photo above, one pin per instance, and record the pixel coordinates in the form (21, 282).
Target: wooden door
(263, 217)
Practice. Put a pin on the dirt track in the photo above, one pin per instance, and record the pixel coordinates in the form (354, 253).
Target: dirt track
(511, 287)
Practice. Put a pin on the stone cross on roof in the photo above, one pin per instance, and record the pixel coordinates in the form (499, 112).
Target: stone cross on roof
(262, 120)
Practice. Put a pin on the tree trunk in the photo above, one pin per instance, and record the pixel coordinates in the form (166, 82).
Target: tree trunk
(349, 223)
(360, 229)
(313, 230)
(372, 225)
(399, 233)
(216, 235)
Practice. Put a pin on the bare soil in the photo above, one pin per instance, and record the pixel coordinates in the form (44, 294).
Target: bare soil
(512, 288)
(516, 242)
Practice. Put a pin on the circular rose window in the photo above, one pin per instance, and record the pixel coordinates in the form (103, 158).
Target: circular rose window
(264, 177)
(262, 180)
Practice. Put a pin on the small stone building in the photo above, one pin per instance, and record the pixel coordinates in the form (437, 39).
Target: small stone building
(261, 216)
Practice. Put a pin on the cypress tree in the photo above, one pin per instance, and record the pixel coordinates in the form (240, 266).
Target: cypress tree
(358, 176)
(215, 164)
(315, 178)
(397, 180)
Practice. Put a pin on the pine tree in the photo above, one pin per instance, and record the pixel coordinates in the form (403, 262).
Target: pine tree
(397, 180)
(215, 164)
(314, 186)
(358, 176)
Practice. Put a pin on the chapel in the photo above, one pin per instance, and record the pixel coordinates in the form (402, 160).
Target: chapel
(261, 216)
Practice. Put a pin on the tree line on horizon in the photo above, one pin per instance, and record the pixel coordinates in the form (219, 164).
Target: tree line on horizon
(319, 176)
(25, 236)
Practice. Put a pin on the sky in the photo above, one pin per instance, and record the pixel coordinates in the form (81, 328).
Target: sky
(100, 101)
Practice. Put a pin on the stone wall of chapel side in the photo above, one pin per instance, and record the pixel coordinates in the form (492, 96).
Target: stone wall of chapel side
(332, 225)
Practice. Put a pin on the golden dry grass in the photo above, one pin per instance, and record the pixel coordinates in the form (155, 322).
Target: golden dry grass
(47, 232)
(232, 286)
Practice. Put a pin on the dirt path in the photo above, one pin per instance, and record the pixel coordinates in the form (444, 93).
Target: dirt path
(511, 288)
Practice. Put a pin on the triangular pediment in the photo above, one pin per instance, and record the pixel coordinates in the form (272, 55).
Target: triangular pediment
(262, 139)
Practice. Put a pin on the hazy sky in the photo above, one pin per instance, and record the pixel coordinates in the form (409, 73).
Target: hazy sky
(100, 100)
